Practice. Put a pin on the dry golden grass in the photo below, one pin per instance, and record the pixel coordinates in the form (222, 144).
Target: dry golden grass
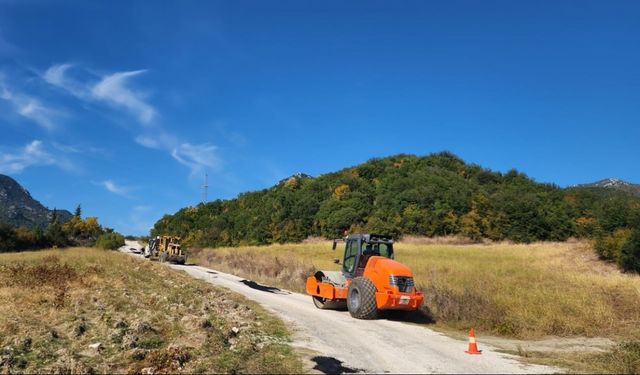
(525, 291)
(286, 266)
(54, 305)
(522, 291)
(623, 358)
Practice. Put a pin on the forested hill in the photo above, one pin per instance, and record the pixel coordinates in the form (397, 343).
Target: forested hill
(438, 194)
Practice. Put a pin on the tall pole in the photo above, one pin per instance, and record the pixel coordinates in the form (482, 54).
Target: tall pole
(205, 187)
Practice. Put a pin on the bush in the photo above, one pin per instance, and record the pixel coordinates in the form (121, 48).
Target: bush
(56, 236)
(8, 241)
(609, 247)
(629, 259)
(110, 241)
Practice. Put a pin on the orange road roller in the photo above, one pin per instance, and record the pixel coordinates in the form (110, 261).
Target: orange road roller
(370, 280)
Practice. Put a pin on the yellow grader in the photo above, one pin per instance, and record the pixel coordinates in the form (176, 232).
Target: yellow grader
(166, 249)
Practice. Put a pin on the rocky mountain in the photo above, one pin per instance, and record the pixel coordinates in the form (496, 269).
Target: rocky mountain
(614, 183)
(294, 177)
(18, 208)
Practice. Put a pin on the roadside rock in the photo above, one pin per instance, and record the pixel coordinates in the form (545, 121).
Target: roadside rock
(94, 349)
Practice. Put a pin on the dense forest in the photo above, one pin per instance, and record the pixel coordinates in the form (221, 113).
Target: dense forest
(434, 195)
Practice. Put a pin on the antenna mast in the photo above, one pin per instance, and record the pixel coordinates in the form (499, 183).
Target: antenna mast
(205, 187)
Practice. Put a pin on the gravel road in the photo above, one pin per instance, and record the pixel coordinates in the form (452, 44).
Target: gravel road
(340, 343)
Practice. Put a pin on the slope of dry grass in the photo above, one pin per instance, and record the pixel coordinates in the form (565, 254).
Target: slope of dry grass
(521, 291)
(87, 310)
(525, 291)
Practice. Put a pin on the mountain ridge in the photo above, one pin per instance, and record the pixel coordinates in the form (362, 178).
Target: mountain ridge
(612, 183)
(20, 209)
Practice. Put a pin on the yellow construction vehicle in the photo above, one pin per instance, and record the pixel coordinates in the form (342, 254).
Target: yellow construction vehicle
(166, 249)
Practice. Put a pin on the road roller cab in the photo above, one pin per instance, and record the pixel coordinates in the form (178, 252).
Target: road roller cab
(369, 281)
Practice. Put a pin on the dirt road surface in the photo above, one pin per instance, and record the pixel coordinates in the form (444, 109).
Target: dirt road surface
(338, 343)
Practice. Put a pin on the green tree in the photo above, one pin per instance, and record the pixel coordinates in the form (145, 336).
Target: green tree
(54, 233)
(609, 246)
(629, 259)
(82, 232)
(56, 236)
(414, 219)
(340, 221)
(380, 223)
(110, 241)
(8, 238)
(471, 225)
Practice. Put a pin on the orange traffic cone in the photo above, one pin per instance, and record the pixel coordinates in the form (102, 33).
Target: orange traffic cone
(473, 347)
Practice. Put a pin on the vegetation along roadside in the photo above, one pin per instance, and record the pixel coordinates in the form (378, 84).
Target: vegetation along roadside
(93, 311)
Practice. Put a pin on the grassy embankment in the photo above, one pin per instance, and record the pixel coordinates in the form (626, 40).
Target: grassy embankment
(521, 291)
(87, 311)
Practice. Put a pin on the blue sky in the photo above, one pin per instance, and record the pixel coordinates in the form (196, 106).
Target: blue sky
(122, 106)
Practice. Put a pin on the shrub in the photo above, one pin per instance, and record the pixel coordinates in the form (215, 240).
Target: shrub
(18, 239)
(629, 259)
(609, 247)
(56, 236)
(110, 241)
(8, 241)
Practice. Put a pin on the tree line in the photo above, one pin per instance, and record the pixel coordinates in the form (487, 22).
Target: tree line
(74, 232)
(434, 195)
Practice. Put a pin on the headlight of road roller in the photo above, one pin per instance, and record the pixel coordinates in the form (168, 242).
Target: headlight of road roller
(404, 283)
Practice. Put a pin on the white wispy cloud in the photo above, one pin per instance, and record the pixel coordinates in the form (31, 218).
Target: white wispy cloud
(80, 149)
(31, 155)
(196, 157)
(30, 107)
(114, 188)
(56, 76)
(158, 140)
(5, 93)
(113, 89)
